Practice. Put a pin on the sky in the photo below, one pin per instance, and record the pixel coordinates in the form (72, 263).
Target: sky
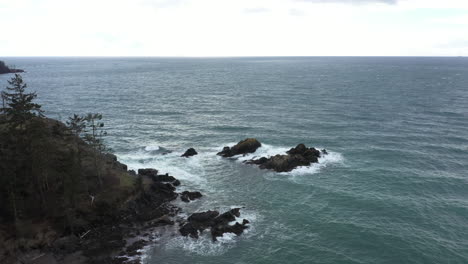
(212, 28)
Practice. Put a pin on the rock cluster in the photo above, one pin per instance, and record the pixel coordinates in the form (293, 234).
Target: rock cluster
(295, 157)
(217, 223)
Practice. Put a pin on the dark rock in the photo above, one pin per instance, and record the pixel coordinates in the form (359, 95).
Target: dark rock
(203, 217)
(189, 229)
(249, 145)
(148, 172)
(163, 178)
(190, 196)
(228, 216)
(218, 223)
(295, 157)
(176, 183)
(324, 151)
(219, 230)
(190, 152)
(132, 250)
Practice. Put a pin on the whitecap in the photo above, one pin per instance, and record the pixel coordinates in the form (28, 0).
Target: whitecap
(152, 148)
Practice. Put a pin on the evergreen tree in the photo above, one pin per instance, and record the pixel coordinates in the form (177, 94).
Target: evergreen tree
(17, 104)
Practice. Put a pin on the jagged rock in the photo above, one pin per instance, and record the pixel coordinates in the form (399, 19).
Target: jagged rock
(249, 145)
(148, 172)
(295, 157)
(190, 152)
(218, 223)
(187, 196)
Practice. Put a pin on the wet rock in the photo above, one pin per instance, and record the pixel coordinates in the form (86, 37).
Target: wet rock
(249, 145)
(190, 152)
(227, 217)
(295, 157)
(132, 250)
(218, 223)
(148, 172)
(189, 229)
(187, 196)
(203, 217)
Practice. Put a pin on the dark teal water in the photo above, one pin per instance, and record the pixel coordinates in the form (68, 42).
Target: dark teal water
(393, 190)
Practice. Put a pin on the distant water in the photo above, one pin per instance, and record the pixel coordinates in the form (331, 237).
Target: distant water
(393, 190)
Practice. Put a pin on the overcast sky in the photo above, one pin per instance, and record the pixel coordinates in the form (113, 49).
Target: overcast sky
(233, 27)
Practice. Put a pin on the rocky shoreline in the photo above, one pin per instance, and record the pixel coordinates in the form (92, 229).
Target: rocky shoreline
(116, 232)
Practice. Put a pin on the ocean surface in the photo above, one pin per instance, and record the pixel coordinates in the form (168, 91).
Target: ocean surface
(394, 188)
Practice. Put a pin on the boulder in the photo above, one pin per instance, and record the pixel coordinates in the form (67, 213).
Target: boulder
(187, 196)
(249, 145)
(190, 152)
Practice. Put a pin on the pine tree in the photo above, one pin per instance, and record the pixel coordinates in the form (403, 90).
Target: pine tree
(17, 104)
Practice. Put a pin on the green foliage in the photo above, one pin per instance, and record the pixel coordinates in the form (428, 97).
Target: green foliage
(17, 104)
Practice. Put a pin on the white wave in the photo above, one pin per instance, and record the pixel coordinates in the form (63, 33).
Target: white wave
(324, 161)
(186, 170)
(152, 148)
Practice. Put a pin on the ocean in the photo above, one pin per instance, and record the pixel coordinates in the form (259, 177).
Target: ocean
(394, 188)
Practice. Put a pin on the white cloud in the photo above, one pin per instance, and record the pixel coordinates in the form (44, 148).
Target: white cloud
(232, 28)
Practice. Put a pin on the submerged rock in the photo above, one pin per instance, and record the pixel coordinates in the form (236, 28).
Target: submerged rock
(248, 145)
(295, 157)
(190, 152)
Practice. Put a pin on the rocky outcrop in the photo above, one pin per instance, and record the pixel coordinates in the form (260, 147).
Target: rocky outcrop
(190, 152)
(218, 224)
(295, 157)
(248, 145)
(6, 69)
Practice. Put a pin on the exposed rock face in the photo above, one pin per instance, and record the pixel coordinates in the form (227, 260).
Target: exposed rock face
(295, 157)
(6, 69)
(248, 145)
(190, 196)
(218, 223)
(190, 152)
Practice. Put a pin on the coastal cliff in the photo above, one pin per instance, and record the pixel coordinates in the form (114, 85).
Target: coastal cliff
(59, 196)
(65, 199)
